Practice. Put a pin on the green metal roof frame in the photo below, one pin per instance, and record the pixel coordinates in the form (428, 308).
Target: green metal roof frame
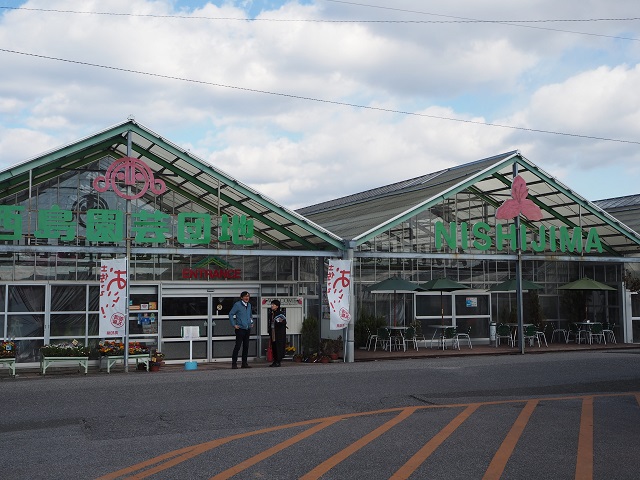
(274, 223)
(495, 198)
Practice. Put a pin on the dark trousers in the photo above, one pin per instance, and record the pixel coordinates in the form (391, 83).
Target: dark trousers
(242, 338)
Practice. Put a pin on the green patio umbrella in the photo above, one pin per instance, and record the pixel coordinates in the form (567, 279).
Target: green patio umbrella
(510, 286)
(442, 285)
(394, 285)
(585, 283)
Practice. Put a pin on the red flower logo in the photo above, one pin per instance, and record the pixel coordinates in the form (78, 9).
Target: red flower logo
(519, 204)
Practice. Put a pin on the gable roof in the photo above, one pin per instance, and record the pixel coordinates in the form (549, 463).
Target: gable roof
(191, 177)
(362, 216)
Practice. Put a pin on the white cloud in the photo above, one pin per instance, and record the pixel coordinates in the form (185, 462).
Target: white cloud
(299, 151)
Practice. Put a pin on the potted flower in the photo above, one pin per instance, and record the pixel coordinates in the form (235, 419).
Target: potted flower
(157, 360)
(289, 350)
(7, 349)
(72, 349)
(297, 358)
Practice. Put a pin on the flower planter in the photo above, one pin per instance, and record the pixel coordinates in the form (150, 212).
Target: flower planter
(9, 362)
(46, 362)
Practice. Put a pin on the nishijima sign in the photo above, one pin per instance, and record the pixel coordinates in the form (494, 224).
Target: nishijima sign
(105, 225)
(483, 236)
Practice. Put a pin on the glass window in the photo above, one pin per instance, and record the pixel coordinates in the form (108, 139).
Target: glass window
(26, 298)
(68, 298)
(25, 326)
(472, 304)
(66, 325)
(433, 305)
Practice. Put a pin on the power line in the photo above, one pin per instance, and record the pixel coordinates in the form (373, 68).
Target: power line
(513, 23)
(458, 19)
(319, 100)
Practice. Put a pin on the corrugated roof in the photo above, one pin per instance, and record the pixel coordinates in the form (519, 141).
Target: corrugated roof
(475, 187)
(190, 179)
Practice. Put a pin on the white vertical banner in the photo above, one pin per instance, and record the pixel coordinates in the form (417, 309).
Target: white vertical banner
(113, 297)
(338, 293)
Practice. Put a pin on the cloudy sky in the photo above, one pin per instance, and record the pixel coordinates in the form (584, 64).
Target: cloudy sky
(311, 100)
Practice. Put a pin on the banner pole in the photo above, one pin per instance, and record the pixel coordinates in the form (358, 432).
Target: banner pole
(127, 262)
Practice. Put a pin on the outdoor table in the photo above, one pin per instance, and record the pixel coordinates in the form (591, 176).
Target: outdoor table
(441, 329)
(586, 326)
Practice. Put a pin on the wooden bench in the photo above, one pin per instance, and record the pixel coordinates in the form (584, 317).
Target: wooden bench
(46, 362)
(11, 363)
(111, 360)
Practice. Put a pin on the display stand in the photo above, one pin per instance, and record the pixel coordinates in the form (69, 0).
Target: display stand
(191, 334)
(46, 362)
(11, 363)
(111, 360)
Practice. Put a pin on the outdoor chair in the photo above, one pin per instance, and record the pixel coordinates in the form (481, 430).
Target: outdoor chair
(540, 334)
(371, 337)
(409, 336)
(608, 332)
(386, 340)
(597, 332)
(465, 334)
(450, 333)
(560, 332)
(503, 331)
(531, 333)
(577, 333)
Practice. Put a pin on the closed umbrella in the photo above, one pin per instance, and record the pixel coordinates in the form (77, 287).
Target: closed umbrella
(442, 285)
(394, 285)
(585, 283)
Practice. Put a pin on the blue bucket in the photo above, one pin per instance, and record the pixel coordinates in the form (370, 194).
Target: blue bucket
(191, 365)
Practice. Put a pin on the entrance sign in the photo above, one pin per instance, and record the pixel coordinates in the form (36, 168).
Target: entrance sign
(113, 297)
(338, 293)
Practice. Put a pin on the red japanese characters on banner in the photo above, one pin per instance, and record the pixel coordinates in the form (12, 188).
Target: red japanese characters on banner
(338, 293)
(113, 297)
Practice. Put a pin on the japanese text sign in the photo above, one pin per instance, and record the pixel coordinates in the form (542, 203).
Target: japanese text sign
(113, 297)
(338, 293)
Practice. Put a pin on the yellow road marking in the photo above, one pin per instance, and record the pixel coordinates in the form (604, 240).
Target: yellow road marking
(331, 462)
(170, 459)
(421, 455)
(584, 460)
(272, 451)
(500, 459)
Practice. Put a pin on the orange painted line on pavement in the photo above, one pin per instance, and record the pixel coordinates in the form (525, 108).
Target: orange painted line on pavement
(331, 462)
(175, 457)
(425, 452)
(271, 451)
(500, 459)
(170, 459)
(584, 460)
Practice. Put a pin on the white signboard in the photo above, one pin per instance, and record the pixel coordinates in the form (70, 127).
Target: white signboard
(191, 333)
(293, 311)
(338, 293)
(113, 297)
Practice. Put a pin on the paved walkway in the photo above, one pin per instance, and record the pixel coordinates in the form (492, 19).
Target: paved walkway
(361, 355)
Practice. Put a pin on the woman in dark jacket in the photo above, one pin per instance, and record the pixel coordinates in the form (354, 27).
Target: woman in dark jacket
(277, 328)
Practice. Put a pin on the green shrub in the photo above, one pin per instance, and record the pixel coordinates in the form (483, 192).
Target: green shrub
(366, 321)
(310, 336)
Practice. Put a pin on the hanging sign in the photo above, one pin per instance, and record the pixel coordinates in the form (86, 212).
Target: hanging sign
(113, 297)
(338, 288)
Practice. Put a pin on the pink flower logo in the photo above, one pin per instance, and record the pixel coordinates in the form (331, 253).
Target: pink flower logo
(519, 204)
